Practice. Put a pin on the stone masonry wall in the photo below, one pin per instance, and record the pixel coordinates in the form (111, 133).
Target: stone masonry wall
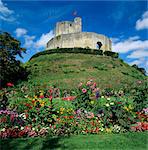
(81, 39)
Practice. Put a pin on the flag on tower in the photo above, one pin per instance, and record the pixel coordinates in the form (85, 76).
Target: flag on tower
(74, 13)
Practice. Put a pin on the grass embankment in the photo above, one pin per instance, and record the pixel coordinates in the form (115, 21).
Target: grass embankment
(67, 70)
(126, 141)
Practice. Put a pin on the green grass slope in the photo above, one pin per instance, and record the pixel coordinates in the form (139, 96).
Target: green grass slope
(66, 70)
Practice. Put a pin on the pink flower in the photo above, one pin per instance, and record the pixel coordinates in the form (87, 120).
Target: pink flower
(84, 90)
(32, 133)
(80, 84)
(94, 84)
(50, 98)
(88, 83)
(9, 84)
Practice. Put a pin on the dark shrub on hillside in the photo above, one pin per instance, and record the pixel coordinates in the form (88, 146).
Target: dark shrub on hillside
(112, 54)
(75, 51)
(142, 70)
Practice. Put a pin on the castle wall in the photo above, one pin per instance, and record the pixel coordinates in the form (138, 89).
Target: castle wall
(81, 39)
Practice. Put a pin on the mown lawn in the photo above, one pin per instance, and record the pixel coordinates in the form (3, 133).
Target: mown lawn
(125, 141)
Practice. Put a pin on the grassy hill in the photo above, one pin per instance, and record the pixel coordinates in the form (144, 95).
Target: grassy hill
(66, 70)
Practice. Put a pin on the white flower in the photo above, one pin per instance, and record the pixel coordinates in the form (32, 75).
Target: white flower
(102, 129)
(107, 105)
(108, 98)
(22, 128)
(111, 103)
(22, 115)
(102, 96)
(3, 129)
(33, 129)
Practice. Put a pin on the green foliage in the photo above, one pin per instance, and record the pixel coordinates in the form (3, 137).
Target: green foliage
(11, 69)
(74, 50)
(140, 95)
(140, 69)
(112, 54)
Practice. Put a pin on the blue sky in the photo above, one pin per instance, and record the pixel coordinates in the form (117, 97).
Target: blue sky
(125, 22)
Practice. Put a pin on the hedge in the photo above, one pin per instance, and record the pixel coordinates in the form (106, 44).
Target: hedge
(77, 50)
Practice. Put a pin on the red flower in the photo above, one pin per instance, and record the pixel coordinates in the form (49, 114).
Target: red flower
(12, 117)
(27, 115)
(50, 91)
(33, 101)
(71, 117)
(69, 98)
(9, 84)
(21, 133)
(28, 105)
(4, 119)
(119, 103)
(41, 96)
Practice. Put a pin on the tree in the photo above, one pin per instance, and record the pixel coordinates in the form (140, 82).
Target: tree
(11, 69)
(142, 70)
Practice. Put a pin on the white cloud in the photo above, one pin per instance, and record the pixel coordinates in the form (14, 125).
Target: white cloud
(138, 54)
(20, 32)
(29, 41)
(142, 23)
(4, 10)
(114, 40)
(5, 13)
(137, 62)
(130, 44)
(137, 49)
(44, 39)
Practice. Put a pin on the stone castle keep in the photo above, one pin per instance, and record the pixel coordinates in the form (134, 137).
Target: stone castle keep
(69, 35)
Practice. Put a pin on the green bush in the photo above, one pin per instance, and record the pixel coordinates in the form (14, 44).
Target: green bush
(77, 50)
(112, 54)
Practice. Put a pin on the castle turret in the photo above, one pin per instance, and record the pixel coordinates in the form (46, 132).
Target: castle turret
(78, 24)
(67, 27)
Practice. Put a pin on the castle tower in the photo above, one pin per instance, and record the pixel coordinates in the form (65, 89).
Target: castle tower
(67, 27)
(78, 24)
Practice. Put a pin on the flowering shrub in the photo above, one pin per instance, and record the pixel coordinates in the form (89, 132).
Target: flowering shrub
(89, 110)
(140, 126)
(10, 119)
(86, 95)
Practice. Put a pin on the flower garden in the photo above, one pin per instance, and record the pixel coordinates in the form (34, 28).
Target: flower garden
(85, 110)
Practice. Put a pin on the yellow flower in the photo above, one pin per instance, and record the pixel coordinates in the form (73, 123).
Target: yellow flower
(108, 130)
(92, 102)
(35, 96)
(42, 104)
(130, 107)
(41, 94)
(62, 109)
(126, 108)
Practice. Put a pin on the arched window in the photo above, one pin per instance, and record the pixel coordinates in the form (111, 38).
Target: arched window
(99, 45)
